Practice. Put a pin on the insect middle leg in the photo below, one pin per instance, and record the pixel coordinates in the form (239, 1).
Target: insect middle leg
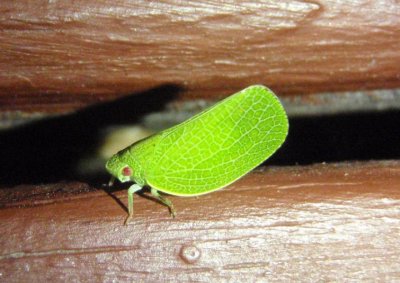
(165, 201)
(132, 189)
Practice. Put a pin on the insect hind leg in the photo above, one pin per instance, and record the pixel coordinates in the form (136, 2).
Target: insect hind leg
(165, 201)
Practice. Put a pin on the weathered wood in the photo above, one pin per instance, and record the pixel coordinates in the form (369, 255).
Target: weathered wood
(56, 56)
(327, 222)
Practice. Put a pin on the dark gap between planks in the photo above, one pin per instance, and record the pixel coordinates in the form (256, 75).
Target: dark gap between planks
(48, 150)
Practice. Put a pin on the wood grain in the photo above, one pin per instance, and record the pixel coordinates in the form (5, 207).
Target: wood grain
(327, 222)
(57, 56)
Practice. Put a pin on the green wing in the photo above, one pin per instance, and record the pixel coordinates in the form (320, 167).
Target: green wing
(220, 145)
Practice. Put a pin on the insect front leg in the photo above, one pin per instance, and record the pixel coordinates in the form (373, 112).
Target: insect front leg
(132, 189)
(165, 201)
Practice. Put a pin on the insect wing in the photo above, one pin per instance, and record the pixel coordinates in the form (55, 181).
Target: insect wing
(219, 145)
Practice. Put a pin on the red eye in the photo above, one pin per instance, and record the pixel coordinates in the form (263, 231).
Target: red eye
(126, 171)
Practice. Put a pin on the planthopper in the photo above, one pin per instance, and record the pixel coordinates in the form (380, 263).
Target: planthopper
(206, 152)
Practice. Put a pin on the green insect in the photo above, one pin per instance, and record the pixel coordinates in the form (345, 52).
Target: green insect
(208, 151)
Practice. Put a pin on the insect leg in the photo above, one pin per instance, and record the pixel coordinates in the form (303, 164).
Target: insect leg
(165, 201)
(111, 181)
(132, 189)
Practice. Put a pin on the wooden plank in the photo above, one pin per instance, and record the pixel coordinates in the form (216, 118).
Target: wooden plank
(326, 222)
(57, 56)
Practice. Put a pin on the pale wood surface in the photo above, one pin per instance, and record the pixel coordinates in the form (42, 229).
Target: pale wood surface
(327, 222)
(57, 56)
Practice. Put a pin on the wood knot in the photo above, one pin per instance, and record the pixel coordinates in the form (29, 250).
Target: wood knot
(190, 254)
